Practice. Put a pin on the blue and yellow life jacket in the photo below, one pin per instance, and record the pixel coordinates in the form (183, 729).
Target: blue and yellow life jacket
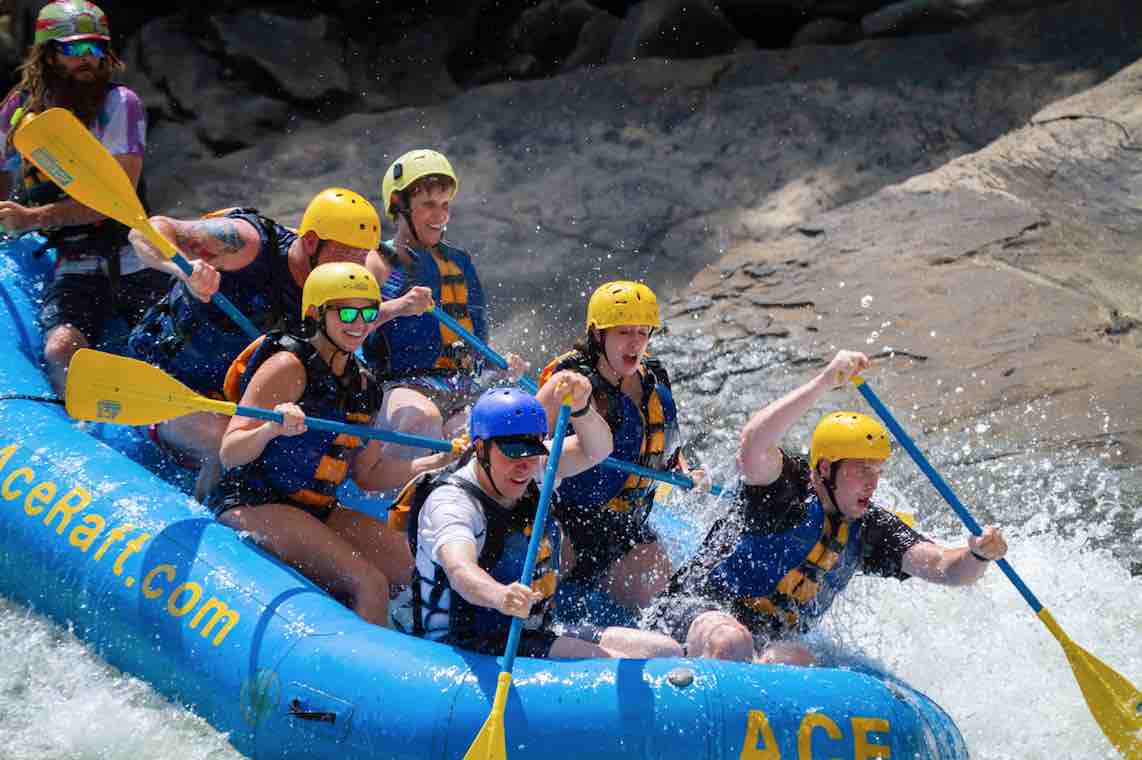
(421, 344)
(441, 614)
(647, 436)
(307, 468)
(782, 581)
(195, 341)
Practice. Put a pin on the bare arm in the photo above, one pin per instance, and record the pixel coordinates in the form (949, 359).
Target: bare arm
(377, 266)
(592, 442)
(374, 472)
(477, 587)
(954, 567)
(758, 455)
(277, 384)
(416, 301)
(225, 243)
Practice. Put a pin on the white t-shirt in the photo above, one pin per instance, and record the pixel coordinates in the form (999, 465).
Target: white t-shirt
(449, 515)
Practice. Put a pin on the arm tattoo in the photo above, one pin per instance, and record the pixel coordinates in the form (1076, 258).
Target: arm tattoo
(210, 238)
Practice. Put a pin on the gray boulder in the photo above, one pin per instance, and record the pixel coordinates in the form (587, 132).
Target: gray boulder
(299, 56)
(673, 29)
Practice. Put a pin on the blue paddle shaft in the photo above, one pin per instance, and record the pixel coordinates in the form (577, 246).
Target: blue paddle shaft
(449, 321)
(361, 431)
(529, 385)
(538, 528)
(941, 485)
(221, 301)
(673, 478)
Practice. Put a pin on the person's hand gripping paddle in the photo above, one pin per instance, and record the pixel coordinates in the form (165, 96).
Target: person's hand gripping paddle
(119, 390)
(65, 150)
(1115, 703)
(490, 743)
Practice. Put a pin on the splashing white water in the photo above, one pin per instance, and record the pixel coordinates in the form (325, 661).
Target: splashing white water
(59, 701)
(984, 656)
(980, 652)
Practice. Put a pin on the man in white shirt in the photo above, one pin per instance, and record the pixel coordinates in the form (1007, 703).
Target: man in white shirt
(473, 527)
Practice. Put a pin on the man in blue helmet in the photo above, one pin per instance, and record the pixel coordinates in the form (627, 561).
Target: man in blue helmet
(469, 528)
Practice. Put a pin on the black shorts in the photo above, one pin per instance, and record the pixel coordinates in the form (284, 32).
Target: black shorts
(532, 643)
(85, 301)
(233, 490)
(673, 614)
(601, 536)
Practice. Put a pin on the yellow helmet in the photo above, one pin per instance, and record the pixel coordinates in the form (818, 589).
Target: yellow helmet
(414, 165)
(330, 282)
(848, 435)
(622, 303)
(343, 216)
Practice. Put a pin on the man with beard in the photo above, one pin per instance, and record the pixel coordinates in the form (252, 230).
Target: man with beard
(97, 276)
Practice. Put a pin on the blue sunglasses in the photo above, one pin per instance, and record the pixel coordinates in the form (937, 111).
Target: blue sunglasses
(79, 48)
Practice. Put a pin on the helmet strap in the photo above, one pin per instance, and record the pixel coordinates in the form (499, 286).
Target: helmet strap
(601, 353)
(336, 346)
(484, 458)
(830, 483)
(405, 210)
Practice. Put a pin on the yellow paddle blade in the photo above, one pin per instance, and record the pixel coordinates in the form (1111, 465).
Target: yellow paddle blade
(662, 494)
(1115, 703)
(490, 743)
(65, 150)
(109, 388)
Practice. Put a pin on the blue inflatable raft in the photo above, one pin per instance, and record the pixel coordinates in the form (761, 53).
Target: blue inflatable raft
(141, 572)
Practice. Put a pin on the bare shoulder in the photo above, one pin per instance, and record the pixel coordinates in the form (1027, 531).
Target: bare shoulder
(280, 378)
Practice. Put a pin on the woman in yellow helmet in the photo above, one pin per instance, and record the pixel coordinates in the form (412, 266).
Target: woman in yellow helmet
(603, 511)
(798, 531)
(281, 479)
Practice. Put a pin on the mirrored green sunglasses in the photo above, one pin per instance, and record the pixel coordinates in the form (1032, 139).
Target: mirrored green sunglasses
(348, 314)
(77, 48)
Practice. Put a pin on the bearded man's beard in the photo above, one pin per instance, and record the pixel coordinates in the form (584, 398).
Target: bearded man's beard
(83, 97)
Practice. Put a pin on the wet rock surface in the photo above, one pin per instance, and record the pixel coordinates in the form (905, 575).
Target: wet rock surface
(998, 293)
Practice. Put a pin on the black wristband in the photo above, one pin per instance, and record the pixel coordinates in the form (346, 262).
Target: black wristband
(580, 412)
(980, 557)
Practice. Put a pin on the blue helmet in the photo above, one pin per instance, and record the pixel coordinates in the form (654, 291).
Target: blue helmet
(507, 412)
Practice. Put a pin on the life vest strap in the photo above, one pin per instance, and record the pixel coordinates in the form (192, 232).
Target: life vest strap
(801, 584)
